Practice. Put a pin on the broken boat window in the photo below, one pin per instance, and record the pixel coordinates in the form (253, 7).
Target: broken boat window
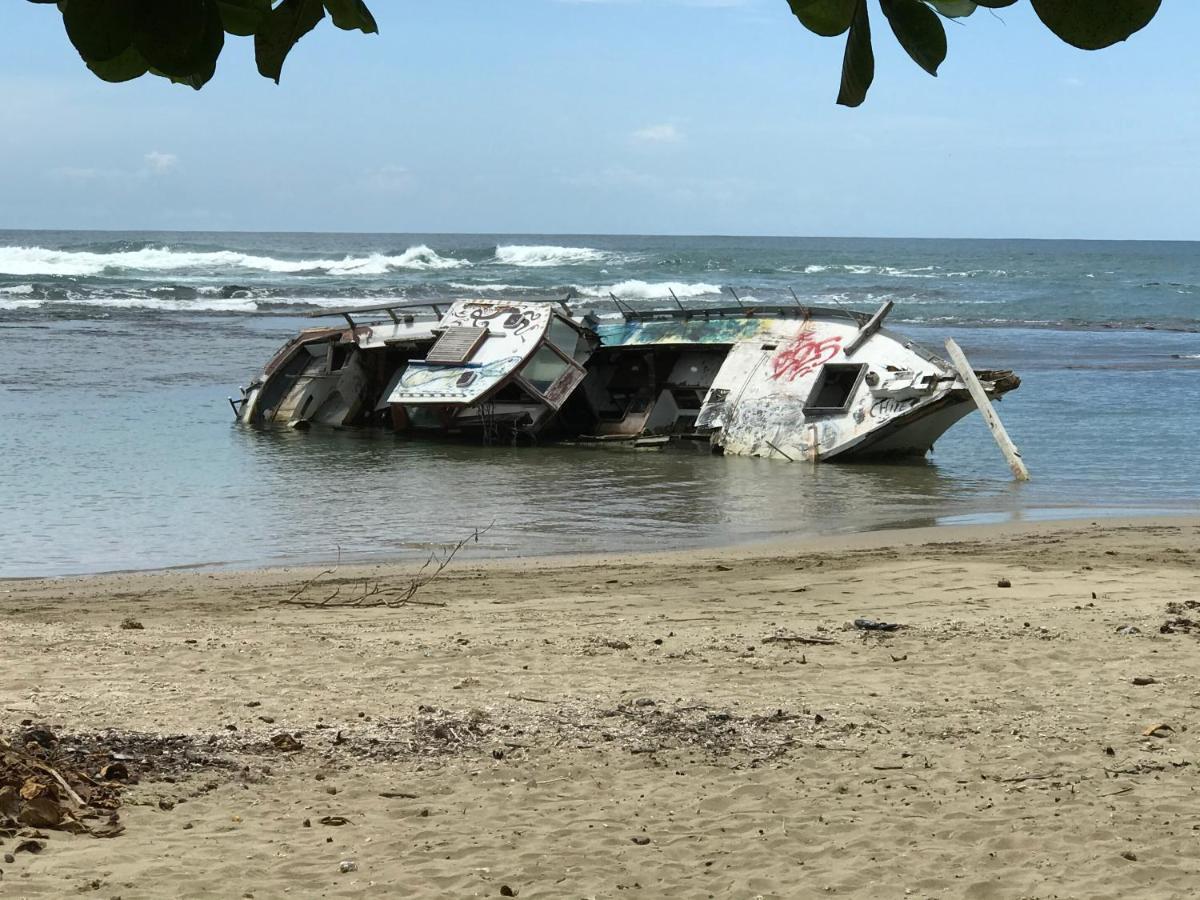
(566, 337)
(544, 368)
(338, 354)
(835, 388)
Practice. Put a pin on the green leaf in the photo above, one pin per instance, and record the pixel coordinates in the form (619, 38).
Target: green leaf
(1095, 24)
(827, 18)
(181, 39)
(243, 17)
(99, 29)
(919, 31)
(955, 9)
(287, 23)
(351, 14)
(858, 64)
(124, 67)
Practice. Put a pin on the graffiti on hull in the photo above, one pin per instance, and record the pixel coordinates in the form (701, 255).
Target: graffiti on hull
(803, 354)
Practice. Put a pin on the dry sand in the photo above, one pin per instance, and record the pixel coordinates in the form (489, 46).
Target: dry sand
(626, 727)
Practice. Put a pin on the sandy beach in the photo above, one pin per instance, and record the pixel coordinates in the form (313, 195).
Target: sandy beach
(700, 724)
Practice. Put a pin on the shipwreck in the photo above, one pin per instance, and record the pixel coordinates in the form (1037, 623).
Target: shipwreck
(788, 382)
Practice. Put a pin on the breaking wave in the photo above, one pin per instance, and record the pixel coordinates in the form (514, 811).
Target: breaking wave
(898, 271)
(491, 288)
(544, 256)
(645, 290)
(22, 261)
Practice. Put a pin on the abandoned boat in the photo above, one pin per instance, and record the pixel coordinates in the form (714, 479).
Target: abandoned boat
(787, 382)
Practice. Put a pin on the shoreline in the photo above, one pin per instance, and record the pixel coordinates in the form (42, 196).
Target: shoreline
(679, 723)
(764, 544)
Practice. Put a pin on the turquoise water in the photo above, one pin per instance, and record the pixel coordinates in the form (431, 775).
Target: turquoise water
(117, 352)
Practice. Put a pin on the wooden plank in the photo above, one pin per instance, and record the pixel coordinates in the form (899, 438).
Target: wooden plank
(456, 345)
(872, 326)
(979, 395)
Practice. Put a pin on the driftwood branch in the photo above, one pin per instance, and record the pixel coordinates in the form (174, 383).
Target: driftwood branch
(796, 639)
(368, 595)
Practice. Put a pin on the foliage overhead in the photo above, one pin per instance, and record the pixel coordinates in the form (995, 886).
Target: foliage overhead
(181, 39)
(1087, 24)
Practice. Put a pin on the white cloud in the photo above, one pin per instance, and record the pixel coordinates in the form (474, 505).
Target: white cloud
(658, 134)
(160, 163)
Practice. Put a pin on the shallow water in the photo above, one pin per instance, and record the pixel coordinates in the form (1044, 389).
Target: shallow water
(119, 449)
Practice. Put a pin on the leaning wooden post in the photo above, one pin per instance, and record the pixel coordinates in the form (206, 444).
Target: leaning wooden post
(979, 395)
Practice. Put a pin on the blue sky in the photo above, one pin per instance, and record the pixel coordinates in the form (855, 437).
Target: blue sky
(621, 116)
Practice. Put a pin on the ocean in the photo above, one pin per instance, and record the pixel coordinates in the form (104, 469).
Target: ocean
(118, 352)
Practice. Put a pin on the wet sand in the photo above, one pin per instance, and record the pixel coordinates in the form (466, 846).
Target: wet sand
(699, 724)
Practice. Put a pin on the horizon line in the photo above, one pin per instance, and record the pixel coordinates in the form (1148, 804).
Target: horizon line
(605, 234)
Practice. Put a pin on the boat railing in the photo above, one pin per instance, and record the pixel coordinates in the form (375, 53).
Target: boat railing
(400, 313)
(407, 313)
(747, 311)
(742, 310)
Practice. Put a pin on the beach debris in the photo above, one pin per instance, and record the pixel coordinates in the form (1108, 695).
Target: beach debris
(334, 821)
(1129, 630)
(440, 731)
(1004, 583)
(641, 840)
(506, 891)
(899, 658)
(41, 787)
(286, 743)
(1175, 607)
(131, 625)
(1129, 855)
(1142, 680)
(1178, 621)
(347, 865)
(1178, 625)
(1160, 730)
(784, 638)
(873, 625)
(365, 595)
(39, 735)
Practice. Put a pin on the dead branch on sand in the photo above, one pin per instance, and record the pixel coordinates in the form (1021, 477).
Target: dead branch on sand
(368, 595)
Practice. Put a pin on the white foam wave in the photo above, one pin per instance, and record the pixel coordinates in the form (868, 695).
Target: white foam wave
(490, 288)
(44, 261)
(543, 256)
(645, 290)
(891, 271)
(17, 290)
(899, 272)
(151, 303)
